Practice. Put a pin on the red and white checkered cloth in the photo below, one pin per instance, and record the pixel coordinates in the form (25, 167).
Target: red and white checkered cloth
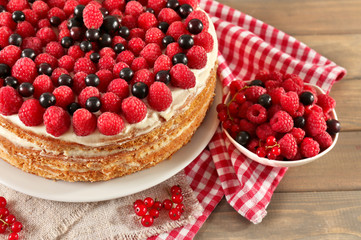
(247, 45)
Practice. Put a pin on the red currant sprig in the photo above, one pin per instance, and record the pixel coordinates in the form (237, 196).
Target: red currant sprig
(8, 221)
(271, 149)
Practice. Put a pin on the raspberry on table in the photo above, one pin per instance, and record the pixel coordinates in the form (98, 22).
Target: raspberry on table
(114, 4)
(136, 45)
(309, 147)
(118, 67)
(290, 102)
(40, 8)
(156, 5)
(254, 92)
(84, 65)
(147, 20)
(125, 56)
(137, 33)
(143, 75)
(298, 134)
(168, 15)
(163, 62)
(70, 6)
(205, 40)
(242, 112)
(247, 126)
(5, 33)
(110, 123)
(315, 124)
(197, 57)
(256, 114)
(84, 122)
(110, 102)
(173, 49)
(293, 83)
(79, 82)
(160, 96)
(119, 39)
(66, 62)
(134, 109)
(120, 87)
(281, 122)
(133, 8)
(33, 43)
(46, 58)
(106, 62)
(64, 96)
(92, 17)
(326, 102)
(107, 51)
(17, 5)
(55, 49)
(264, 130)
(75, 52)
(139, 63)
(150, 53)
(56, 120)
(31, 112)
(56, 74)
(288, 146)
(46, 35)
(154, 35)
(87, 93)
(42, 84)
(182, 76)
(63, 33)
(24, 70)
(9, 55)
(177, 29)
(129, 21)
(193, 3)
(7, 20)
(324, 139)
(10, 101)
(57, 12)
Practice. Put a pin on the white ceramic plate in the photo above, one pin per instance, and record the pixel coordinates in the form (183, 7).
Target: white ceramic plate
(36, 186)
(277, 163)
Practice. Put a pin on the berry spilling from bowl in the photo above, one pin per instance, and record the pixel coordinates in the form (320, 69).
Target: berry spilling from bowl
(278, 120)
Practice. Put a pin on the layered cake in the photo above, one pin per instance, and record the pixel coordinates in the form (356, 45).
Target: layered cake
(95, 90)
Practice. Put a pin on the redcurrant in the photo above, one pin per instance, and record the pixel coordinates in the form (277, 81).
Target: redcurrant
(174, 214)
(10, 219)
(227, 124)
(154, 213)
(2, 202)
(137, 203)
(276, 151)
(233, 108)
(222, 116)
(240, 98)
(261, 152)
(175, 189)
(167, 204)
(235, 128)
(235, 86)
(147, 221)
(4, 212)
(221, 107)
(140, 210)
(13, 236)
(148, 202)
(177, 198)
(16, 227)
(180, 207)
(271, 156)
(271, 140)
(3, 227)
(157, 205)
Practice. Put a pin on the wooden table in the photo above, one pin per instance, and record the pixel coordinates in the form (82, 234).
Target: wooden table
(320, 200)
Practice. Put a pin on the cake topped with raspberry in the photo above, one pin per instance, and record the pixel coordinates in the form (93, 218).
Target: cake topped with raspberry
(88, 86)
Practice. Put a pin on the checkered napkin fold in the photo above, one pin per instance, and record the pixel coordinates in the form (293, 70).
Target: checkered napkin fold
(246, 46)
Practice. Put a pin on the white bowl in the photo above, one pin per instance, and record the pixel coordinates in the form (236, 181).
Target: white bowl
(278, 163)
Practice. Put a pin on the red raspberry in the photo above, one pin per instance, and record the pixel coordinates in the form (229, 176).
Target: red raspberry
(84, 65)
(5, 33)
(198, 14)
(139, 63)
(105, 77)
(118, 67)
(281, 122)
(46, 35)
(254, 92)
(110, 123)
(177, 29)
(56, 3)
(114, 4)
(205, 40)
(25, 29)
(63, 33)
(40, 8)
(136, 45)
(44, 23)
(64, 96)
(120, 87)
(197, 57)
(143, 75)
(324, 139)
(257, 114)
(290, 102)
(133, 8)
(236, 86)
(298, 134)
(315, 124)
(24, 70)
(110, 102)
(75, 52)
(293, 83)
(247, 127)
(129, 21)
(253, 144)
(84, 2)
(288, 146)
(193, 3)
(309, 147)
(67, 63)
(84, 122)
(10, 101)
(168, 15)
(163, 62)
(7, 20)
(242, 111)
(276, 94)
(57, 12)
(107, 51)
(56, 74)
(56, 121)
(70, 6)
(271, 84)
(326, 102)
(151, 52)
(160, 96)
(87, 93)
(299, 112)
(32, 43)
(31, 17)
(63, 25)
(46, 58)
(31, 113)
(55, 49)
(119, 39)
(92, 17)
(137, 33)
(79, 82)
(9, 55)
(156, 5)
(17, 5)
(173, 49)
(42, 84)
(125, 56)
(147, 20)
(277, 76)
(117, 13)
(264, 130)
(154, 35)
(106, 62)
(134, 109)
(262, 75)
(182, 76)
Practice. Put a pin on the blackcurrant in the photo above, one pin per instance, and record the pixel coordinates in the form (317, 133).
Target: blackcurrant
(307, 98)
(186, 41)
(104, 11)
(18, 16)
(55, 21)
(150, 10)
(26, 89)
(180, 58)
(163, 76)
(257, 82)
(163, 26)
(74, 22)
(126, 74)
(195, 26)
(2, 9)
(29, 53)
(92, 35)
(95, 57)
(105, 40)
(93, 104)
(72, 107)
(265, 100)
(5, 70)
(299, 122)
(11, 81)
(140, 90)
(67, 42)
(65, 79)
(242, 138)
(110, 24)
(118, 48)
(45, 68)
(184, 10)
(78, 11)
(86, 46)
(15, 39)
(167, 40)
(76, 33)
(333, 126)
(173, 4)
(124, 32)
(47, 99)
(92, 80)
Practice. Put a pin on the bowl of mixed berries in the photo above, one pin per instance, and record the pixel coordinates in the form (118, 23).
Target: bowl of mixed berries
(278, 120)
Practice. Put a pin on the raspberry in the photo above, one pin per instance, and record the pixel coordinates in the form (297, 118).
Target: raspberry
(262, 75)
(110, 102)
(17, 5)
(56, 121)
(309, 147)
(156, 5)
(324, 139)
(84, 65)
(5, 33)
(137, 33)
(293, 83)
(136, 45)
(299, 112)
(182, 76)
(154, 35)
(193, 3)
(46, 35)
(120, 87)
(205, 40)
(247, 127)
(56, 3)
(168, 15)
(143, 75)
(252, 145)
(24, 70)
(177, 29)
(55, 49)
(125, 56)
(117, 13)
(298, 134)
(9, 55)
(31, 113)
(7, 20)
(87, 93)
(290, 102)
(56, 74)
(315, 124)
(264, 130)
(70, 6)
(57, 12)
(64, 96)
(256, 114)
(139, 63)
(106, 62)
(134, 109)
(107, 51)
(79, 82)
(276, 94)
(277, 76)
(288, 146)
(272, 110)
(173, 49)
(40, 8)
(119, 39)
(42, 84)
(281, 122)
(63, 33)
(92, 17)
(25, 29)
(10, 101)
(198, 14)
(32, 43)
(133, 8)
(44, 23)
(151, 52)
(147, 20)
(84, 122)
(129, 21)
(254, 92)
(46, 58)
(271, 84)
(326, 102)
(67, 63)
(110, 123)
(197, 57)
(163, 62)
(118, 67)
(114, 4)
(236, 86)
(160, 96)
(242, 111)
(75, 52)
